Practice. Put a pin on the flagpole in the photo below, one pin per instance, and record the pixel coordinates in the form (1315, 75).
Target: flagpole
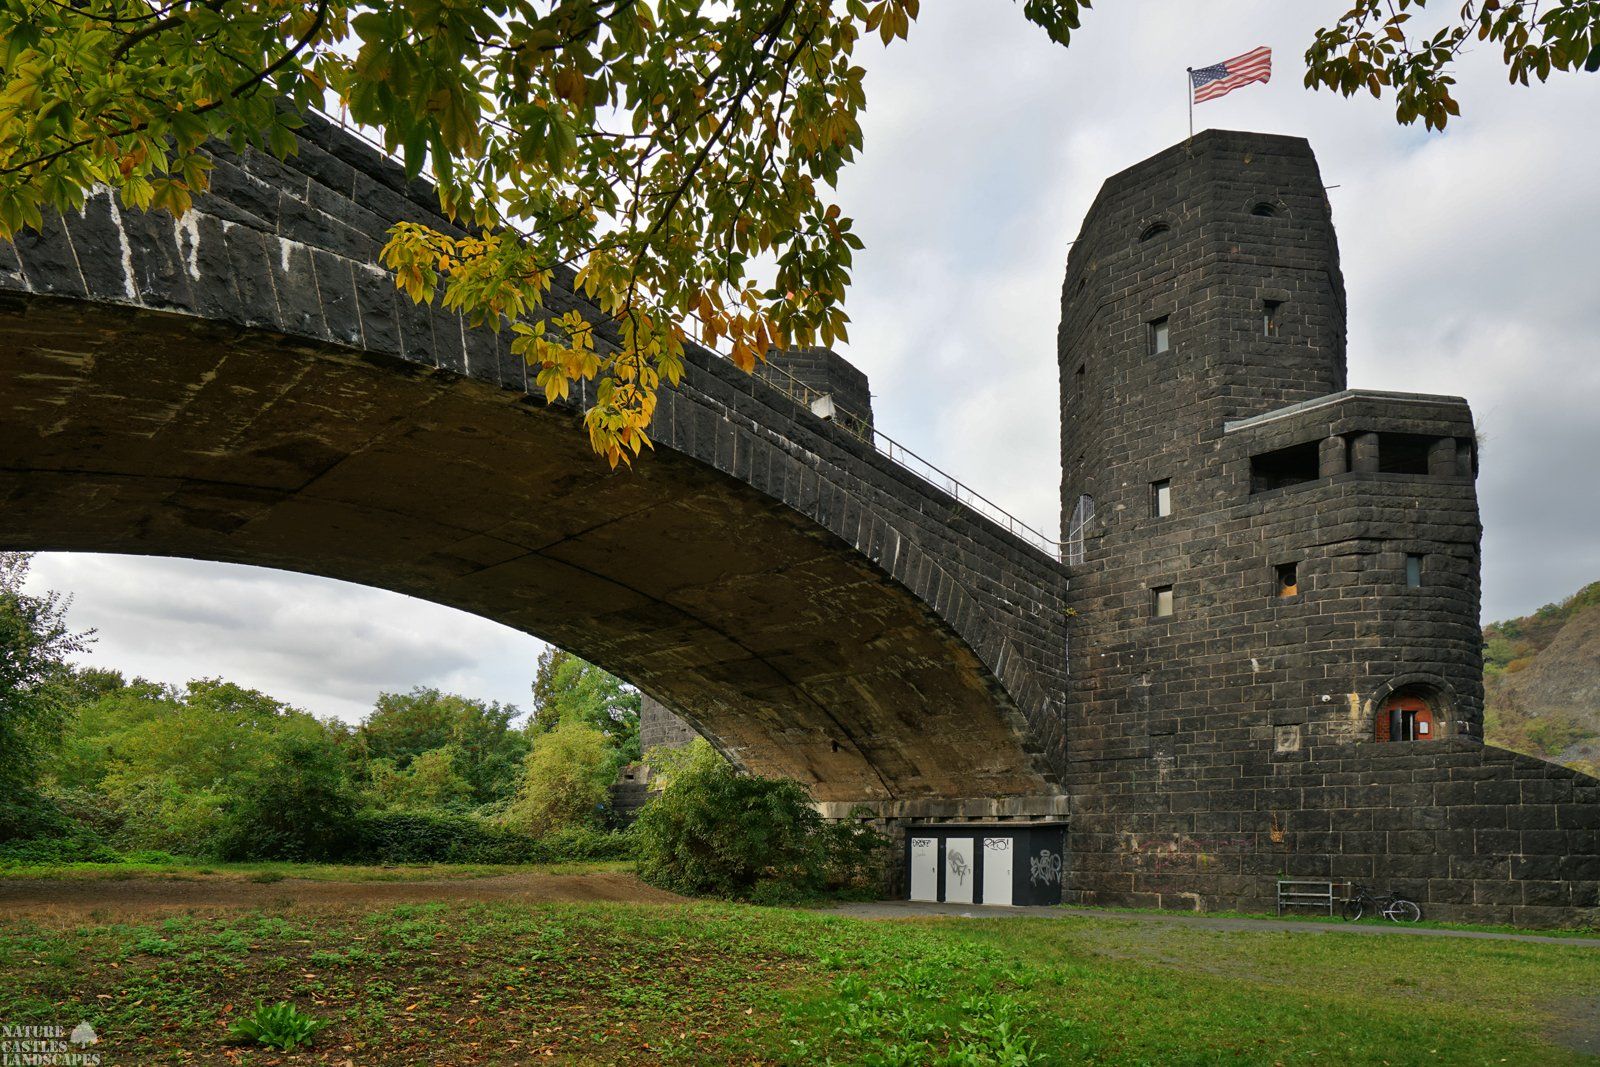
(1188, 81)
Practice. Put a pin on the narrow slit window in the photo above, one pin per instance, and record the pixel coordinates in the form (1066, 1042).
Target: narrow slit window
(1270, 317)
(1160, 336)
(1413, 572)
(1077, 383)
(1161, 601)
(1288, 579)
(1078, 527)
(1160, 499)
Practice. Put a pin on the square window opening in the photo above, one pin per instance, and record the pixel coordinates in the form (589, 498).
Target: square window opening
(1161, 601)
(1403, 453)
(1285, 467)
(1160, 336)
(1413, 572)
(1288, 579)
(1160, 499)
(1269, 317)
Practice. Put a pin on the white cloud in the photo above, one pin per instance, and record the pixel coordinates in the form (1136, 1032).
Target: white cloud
(327, 646)
(1468, 257)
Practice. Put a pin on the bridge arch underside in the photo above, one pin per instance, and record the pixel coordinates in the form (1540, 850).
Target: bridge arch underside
(135, 431)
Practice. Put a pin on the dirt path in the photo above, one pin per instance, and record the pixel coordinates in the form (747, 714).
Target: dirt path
(107, 898)
(905, 909)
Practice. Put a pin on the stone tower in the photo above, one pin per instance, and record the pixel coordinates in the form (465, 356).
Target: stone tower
(1263, 563)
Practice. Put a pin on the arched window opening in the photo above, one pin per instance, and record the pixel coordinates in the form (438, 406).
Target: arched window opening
(1265, 210)
(1078, 528)
(1408, 714)
(1154, 230)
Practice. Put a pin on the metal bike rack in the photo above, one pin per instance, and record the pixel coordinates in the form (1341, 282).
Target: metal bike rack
(1300, 894)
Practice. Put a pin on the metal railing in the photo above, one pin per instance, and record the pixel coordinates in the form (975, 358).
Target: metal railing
(861, 428)
(852, 423)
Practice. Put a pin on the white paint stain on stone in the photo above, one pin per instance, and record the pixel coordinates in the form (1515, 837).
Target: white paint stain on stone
(129, 285)
(188, 232)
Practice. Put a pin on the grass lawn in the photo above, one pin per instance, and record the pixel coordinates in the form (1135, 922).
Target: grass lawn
(517, 983)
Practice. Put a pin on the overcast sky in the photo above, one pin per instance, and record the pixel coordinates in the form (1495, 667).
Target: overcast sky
(1468, 259)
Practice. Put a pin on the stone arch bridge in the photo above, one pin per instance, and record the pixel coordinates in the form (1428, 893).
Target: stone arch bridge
(245, 385)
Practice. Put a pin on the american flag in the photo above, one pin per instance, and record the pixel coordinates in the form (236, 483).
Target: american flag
(1208, 83)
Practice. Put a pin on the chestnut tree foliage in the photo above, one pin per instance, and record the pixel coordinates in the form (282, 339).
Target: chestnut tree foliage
(1375, 46)
(677, 156)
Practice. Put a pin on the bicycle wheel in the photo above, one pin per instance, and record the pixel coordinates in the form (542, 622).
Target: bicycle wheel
(1402, 910)
(1353, 909)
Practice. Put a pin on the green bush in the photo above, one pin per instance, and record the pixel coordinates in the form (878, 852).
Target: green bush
(436, 837)
(80, 847)
(300, 806)
(716, 832)
(566, 781)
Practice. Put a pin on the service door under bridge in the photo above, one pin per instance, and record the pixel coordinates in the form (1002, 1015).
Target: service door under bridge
(988, 863)
(998, 870)
(924, 868)
(959, 869)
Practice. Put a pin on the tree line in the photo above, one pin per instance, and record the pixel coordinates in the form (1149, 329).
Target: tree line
(95, 764)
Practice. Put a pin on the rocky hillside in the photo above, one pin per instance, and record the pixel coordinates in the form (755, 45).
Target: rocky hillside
(1542, 682)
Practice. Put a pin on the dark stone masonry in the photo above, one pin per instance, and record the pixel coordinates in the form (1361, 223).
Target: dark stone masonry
(245, 384)
(1258, 657)
(1275, 653)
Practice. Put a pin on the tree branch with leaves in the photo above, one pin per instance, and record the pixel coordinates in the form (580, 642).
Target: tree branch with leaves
(1375, 47)
(674, 161)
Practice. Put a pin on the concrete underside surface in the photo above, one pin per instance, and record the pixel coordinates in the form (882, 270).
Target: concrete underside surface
(133, 431)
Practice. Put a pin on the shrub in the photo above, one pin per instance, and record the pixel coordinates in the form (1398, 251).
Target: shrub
(583, 843)
(566, 782)
(157, 813)
(298, 807)
(716, 832)
(81, 847)
(437, 837)
(428, 782)
(32, 815)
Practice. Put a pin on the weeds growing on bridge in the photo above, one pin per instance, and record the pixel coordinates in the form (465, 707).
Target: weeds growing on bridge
(511, 983)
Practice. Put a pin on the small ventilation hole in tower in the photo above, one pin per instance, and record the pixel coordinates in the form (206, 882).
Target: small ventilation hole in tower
(1265, 210)
(1154, 230)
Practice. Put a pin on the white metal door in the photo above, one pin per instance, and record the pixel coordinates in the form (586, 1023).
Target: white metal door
(924, 868)
(958, 870)
(997, 853)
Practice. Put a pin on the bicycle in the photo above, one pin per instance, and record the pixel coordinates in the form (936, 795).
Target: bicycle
(1391, 906)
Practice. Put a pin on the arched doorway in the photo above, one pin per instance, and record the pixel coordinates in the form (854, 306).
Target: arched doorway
(1407, 715)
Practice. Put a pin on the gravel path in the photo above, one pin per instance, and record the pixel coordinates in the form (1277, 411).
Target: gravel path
(906, 909)
(111, 898)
